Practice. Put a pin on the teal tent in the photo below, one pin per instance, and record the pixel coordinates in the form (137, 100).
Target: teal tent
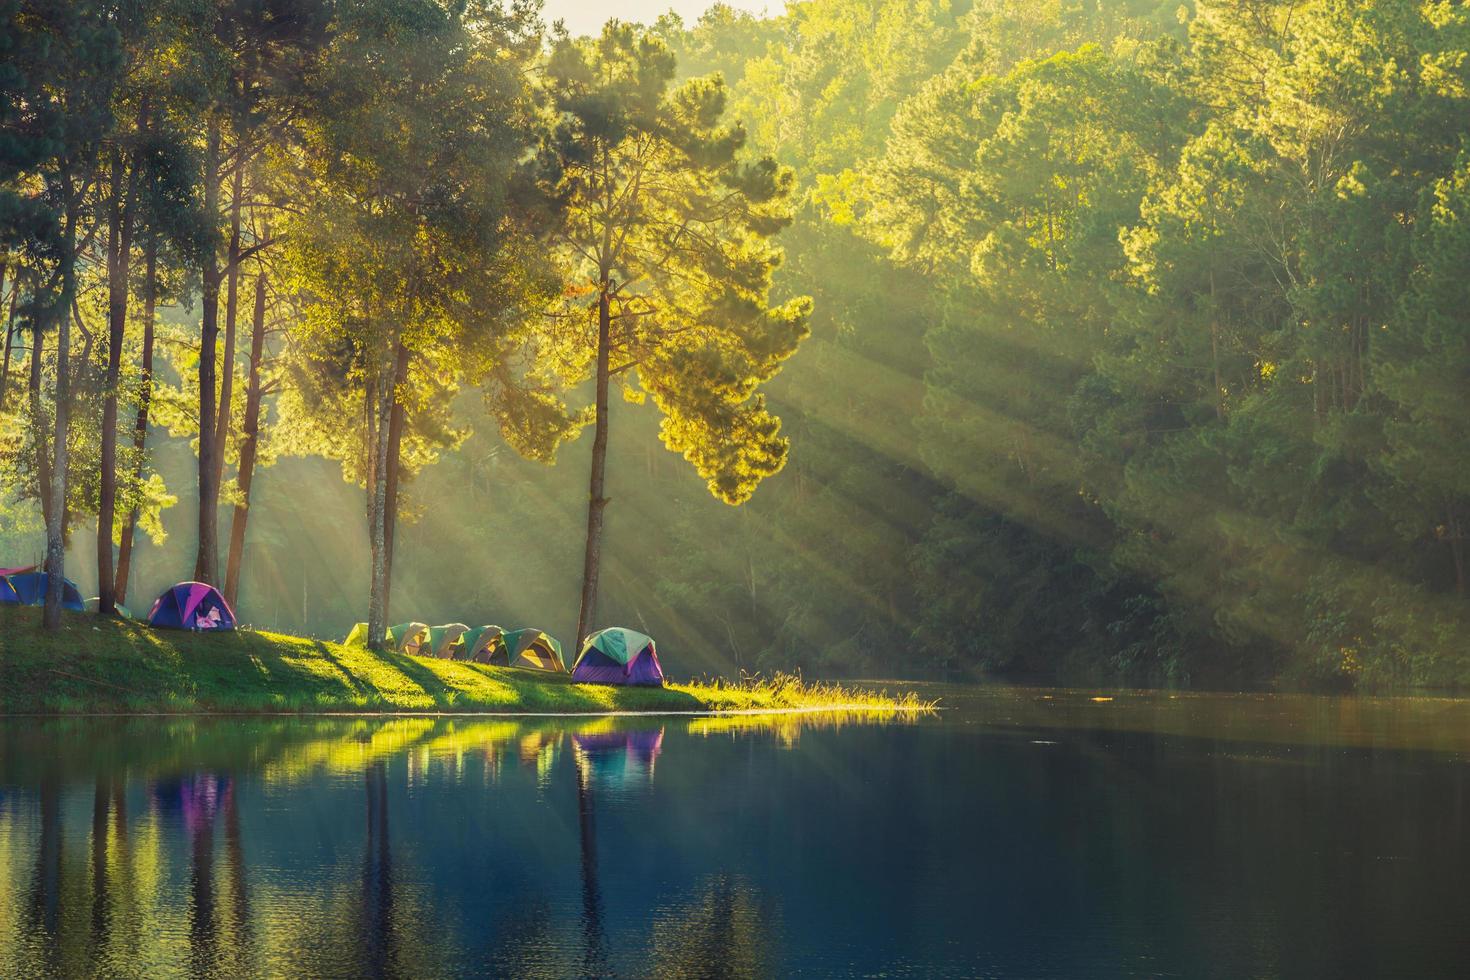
(529, 648)
(445, 640)
(483, 643)
(617, 655)
(411, 638)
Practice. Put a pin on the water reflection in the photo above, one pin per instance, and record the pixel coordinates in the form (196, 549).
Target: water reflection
(377, 919)
(154, 877)
(992, 841)
(594, 956)
(617, 759)
(787, 727)
(724, 928)
(45, 904)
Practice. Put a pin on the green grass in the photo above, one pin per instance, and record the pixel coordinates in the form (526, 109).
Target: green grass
(96, 665)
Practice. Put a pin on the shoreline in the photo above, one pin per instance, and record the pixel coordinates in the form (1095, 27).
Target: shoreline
(110, 667)
(816, 709)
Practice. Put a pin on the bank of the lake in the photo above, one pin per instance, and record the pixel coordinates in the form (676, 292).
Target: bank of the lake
(100, 665)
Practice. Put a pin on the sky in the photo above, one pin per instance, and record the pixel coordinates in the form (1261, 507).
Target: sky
(588, 16)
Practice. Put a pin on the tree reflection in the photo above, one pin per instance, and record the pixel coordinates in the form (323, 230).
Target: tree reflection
(203, 929)
(594, 955)
(101, 895)
(44, 907)
(377, 926)
(724, 930)
(102, 900)
(604, 758)
(218, 931)
(239, 881)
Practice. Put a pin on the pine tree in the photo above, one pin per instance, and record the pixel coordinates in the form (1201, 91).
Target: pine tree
(668, 255)
(410, 250)
(65, 73)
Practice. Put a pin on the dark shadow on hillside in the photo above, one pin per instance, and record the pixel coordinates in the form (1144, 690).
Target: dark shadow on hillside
(359, 684)
(419, 674)
(244, 664)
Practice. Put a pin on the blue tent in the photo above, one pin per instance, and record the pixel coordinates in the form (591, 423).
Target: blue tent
(29, 589)
(192, 606)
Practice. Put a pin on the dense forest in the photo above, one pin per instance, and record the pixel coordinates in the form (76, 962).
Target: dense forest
(1080, 338)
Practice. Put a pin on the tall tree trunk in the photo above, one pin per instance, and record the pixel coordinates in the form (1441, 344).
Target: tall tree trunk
(140, 424)
(206, 558)
(1219, 398)
(232, 306)
(248, 444)
(596, 500)
(369, 445)
(395, 445)
(9, 331)
(119, 261)
(56, 520)
(1457, 549)
(38, 425)
(377, 510)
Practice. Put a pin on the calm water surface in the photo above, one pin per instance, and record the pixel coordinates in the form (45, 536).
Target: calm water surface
(1021, 833)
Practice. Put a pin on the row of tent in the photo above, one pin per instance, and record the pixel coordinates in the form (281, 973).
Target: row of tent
(615, 655)
(186, 606)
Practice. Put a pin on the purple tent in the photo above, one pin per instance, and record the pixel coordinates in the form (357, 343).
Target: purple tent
(192, 606)
(618, 656)
(198, 798)
(619, 758)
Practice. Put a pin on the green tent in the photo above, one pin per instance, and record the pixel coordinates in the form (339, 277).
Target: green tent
(483, 643)
(410, 638)
(445, 643)
(531, 649)
(403, 638)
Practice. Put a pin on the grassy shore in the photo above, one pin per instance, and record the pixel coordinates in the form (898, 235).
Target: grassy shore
(95, 665)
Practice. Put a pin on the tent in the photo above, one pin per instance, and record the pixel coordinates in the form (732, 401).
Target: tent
(192, 606)
(528, 648)
(410, 638)
(618, 656)
(482, 643)
(443, 641)
(403, 638)
(29, 589)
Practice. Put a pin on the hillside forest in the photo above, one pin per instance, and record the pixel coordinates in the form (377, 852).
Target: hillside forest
(1105, 339)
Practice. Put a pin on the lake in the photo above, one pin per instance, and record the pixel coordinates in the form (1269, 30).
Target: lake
(1020, 833)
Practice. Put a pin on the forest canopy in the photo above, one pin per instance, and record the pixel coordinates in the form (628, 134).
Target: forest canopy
(1106, 338)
